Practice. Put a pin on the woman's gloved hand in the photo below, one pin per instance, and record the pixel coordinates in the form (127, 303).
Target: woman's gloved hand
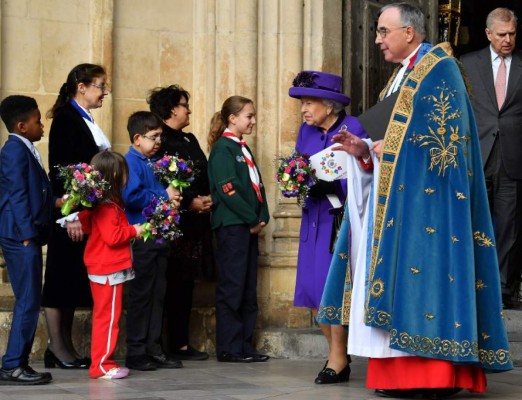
(322, 188)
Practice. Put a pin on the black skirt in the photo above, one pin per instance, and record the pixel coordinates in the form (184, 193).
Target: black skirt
(66, 284)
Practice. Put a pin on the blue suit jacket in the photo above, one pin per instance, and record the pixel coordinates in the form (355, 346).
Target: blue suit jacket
(26, 199)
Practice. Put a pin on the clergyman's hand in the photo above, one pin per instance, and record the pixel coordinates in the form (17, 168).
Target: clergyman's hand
(351, 144)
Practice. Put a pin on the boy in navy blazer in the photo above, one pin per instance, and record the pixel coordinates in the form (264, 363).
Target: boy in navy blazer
(26, 202)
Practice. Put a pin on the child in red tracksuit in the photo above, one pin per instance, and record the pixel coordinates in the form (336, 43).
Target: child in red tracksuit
(109, 264)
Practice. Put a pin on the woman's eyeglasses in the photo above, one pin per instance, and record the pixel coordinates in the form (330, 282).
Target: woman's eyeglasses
(103, 87)
(186, 105)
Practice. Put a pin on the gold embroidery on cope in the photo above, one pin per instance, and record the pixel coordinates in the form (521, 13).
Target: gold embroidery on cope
(415, 270)
(377, 288)
(479, 285)
(429, 230)
(483, 240)
(379, 318)
(443, 148)
(449, 348)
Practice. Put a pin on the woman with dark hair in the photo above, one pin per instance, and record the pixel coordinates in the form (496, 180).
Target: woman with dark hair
(191, 254)
(74, 137)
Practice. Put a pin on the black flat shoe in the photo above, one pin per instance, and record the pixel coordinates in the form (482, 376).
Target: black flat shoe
(84, 361)
(396, 393)
(190, 354)
(140, 363)
(328, 375)
(23, 376)
(256, 357)
(51, 361)
(162, 361)
(237, 358)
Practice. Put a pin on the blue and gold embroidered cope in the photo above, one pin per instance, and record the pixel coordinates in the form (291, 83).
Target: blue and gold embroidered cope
(434, 266)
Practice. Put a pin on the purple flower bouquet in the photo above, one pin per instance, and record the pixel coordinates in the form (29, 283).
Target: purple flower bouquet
(295, 176)
(161, 221)
(174, 171)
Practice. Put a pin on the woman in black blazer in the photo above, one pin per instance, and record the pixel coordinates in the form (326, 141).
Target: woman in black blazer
(74, 137)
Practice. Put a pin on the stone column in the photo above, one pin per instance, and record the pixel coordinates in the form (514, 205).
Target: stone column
(101, 16)
(293, 35)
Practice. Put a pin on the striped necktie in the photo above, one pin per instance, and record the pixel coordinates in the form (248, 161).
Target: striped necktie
(252, 169)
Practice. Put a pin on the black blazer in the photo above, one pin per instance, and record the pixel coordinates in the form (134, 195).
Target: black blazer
(505, 123)
(70, 142)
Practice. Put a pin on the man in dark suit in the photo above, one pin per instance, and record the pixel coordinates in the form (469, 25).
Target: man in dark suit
(26, 202)
(495, 75)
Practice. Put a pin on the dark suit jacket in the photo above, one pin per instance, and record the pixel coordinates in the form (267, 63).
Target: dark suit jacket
(26, 200)
(506, 123)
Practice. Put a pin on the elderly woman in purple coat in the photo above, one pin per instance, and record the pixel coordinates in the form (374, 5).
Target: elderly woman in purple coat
(322, 107)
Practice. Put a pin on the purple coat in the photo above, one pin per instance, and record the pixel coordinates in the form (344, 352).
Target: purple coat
(313, 260)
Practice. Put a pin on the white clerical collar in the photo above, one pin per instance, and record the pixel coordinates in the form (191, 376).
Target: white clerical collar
(406, 61)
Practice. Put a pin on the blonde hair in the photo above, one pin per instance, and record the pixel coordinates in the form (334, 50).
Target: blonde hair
(232, 106)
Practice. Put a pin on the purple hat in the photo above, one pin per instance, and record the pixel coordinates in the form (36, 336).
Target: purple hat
(318, 84)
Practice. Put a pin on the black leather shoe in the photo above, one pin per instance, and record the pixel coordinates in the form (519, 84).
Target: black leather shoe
(84, 361)
(328, 375)
(256, 357)
(239, 358)
(435, 394)
(51, 361)
(23, 376)
(396, 393)
(162, 361)
(140, 363)
(190, 354)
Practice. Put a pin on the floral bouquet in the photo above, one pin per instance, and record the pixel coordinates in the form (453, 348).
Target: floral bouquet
(162, 220)
(83, 185)
(295, 176)
(174, 171)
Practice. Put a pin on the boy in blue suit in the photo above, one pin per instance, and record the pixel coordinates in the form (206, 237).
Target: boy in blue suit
(26, 202)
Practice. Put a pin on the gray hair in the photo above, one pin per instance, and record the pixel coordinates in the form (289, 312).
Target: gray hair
(410, 16)
(334, 105)
(500, 14)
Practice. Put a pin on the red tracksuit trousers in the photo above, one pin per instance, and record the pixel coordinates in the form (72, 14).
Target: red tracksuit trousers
(105, 319)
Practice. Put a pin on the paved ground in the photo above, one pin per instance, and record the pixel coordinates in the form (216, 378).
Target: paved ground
(201, 380)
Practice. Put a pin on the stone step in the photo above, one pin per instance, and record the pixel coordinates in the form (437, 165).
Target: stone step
(280, 343)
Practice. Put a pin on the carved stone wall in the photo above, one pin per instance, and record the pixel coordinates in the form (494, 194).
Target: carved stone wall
(214, 49)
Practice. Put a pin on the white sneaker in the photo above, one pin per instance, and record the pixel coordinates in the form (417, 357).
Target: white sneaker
(116, 373)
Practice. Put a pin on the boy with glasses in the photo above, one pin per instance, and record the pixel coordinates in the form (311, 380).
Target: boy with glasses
(150, 260)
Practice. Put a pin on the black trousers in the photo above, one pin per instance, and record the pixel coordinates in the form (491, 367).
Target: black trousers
(146, 296)
(178, 305)
(236, 291)
(190, 260)
(505, 202)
